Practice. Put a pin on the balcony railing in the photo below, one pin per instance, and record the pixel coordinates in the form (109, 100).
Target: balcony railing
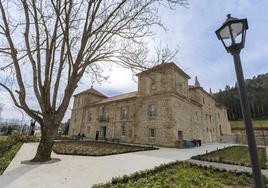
(103, 118)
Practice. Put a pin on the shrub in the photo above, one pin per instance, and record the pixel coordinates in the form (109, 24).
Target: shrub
(7, 157)
(5, 145)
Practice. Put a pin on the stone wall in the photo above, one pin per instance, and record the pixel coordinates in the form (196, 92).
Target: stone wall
(181, 113)
(261, 136)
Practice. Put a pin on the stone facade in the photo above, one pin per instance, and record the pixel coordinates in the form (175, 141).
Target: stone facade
(163, 110)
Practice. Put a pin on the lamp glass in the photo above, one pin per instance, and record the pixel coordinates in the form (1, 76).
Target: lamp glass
(237, 29)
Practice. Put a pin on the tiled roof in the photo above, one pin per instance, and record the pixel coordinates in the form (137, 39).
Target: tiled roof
(195, 87)
(92, 91)
(163, 65)
(202, 89)
(118, 97)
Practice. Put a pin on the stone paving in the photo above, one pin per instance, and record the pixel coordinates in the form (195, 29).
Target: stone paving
(84, 171)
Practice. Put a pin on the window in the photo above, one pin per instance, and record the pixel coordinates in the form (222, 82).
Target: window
(75, 117)
(124, 113)
(152, 132)
(123, 130)
(102, 108)
(151, 110)
(89, 116)
(203, 100)
(180, 135)
(105, 115)
(180, 87)
(196, 115)
(153, 82)
(88, 130)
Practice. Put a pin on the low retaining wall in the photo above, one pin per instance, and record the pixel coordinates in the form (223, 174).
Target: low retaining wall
(228, 139)
(261, 136)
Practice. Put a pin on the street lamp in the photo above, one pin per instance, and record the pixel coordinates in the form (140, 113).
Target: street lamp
(233, 34)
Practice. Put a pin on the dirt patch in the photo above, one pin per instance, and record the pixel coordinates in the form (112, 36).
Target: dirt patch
(93, 148)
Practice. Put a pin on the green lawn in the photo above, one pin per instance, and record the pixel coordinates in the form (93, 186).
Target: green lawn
(256, 123)
(180, 174)
(238, 155)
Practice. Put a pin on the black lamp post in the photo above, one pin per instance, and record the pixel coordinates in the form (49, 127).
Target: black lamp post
(232, 34)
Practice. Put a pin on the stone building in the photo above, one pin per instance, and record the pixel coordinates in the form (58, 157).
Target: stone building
(163, 110)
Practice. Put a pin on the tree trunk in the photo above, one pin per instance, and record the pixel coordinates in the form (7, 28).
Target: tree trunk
(48, 134)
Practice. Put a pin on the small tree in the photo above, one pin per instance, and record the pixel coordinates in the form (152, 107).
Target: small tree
(48, 45)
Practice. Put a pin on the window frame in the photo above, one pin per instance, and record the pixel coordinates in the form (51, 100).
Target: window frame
(152, 130)
(89, 116)
(152, 113)
(123, 130)
(124, 116)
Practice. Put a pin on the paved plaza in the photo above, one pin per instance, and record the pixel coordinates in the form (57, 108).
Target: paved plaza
(84, 171)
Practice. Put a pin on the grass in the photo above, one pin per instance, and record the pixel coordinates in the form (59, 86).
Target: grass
(180, 174)
(238, 155)
(9, 146)
(256, 124)
(7, 157)
(3, 138)
(92, 148)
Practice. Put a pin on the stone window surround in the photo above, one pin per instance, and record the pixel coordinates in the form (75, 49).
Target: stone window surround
(103, 113)
(75, 117)
(89, 116)
(180, 133)
(151, 110)
(123, 130)
(124, 113)
(152, 132)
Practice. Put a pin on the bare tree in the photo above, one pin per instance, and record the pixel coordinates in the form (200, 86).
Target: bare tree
(46, 47)
(1, 109)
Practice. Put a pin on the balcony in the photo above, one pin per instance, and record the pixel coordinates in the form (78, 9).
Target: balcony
(103, 118)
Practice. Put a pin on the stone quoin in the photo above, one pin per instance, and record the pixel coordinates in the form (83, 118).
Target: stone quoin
(165, 109)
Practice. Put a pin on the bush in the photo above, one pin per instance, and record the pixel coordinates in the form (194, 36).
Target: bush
(7, 157)
(26, 139)
(180, 174)
(5, 145)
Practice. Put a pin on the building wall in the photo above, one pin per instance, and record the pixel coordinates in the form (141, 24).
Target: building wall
(180, 111)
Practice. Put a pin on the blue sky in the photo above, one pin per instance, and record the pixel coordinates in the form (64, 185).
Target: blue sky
(201, 54)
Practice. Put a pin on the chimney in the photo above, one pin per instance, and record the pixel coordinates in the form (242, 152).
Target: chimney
(210, 91)
(196, 84)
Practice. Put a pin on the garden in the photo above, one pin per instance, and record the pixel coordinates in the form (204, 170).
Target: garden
(93, 148)
(181, 174)
(237, 155)
(9, 146)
